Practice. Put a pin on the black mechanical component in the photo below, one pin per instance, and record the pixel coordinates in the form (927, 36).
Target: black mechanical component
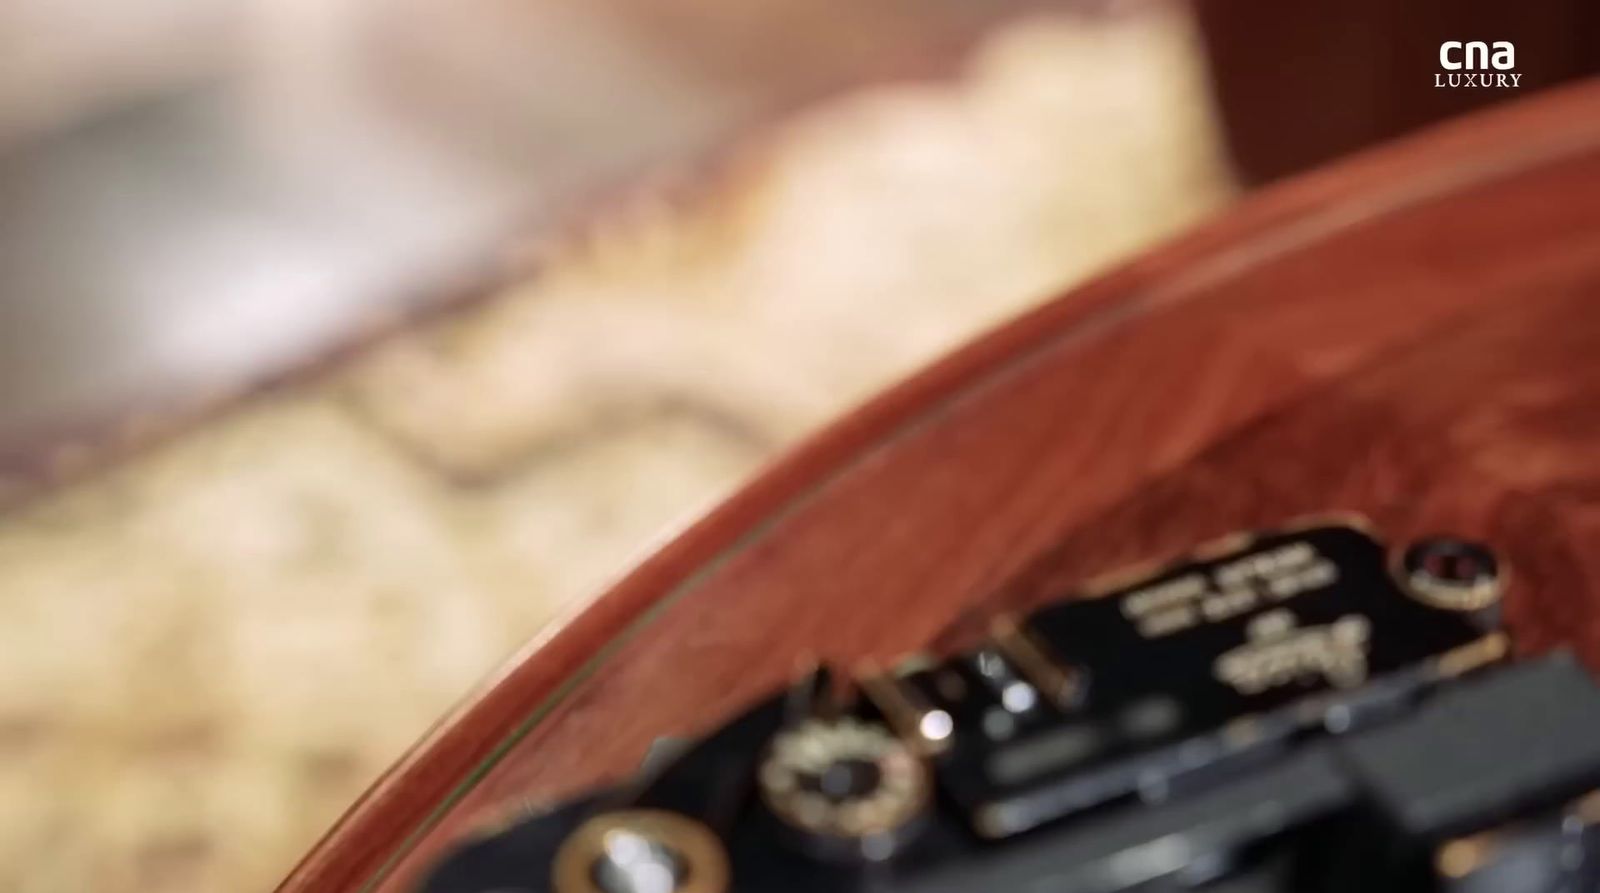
(1284, 712)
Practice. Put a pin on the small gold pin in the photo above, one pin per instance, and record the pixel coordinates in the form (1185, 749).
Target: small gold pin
(814, 691)
(1490, 649)
(925, 727)
(1586, 809)
(1059, 683)
(1461, 857)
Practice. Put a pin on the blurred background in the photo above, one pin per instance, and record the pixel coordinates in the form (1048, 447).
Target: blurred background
(346, 343)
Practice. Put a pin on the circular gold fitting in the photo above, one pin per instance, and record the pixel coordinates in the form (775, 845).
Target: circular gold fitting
(1451, 597)
(704, 860)
(1445, 594)
(903, 794)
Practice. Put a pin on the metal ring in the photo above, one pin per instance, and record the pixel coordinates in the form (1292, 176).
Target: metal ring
(1422, 583)
(699, 848)
(902, 792)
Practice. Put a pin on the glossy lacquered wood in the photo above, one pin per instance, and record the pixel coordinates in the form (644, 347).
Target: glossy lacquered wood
(1413, 334)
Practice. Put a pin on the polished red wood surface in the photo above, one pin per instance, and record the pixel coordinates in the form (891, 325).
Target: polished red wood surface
(1413, 334)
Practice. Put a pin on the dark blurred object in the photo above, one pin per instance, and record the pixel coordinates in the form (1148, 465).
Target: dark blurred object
(1301, 83)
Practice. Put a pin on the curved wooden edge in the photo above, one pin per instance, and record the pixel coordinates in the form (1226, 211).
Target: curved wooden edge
(1472, 150)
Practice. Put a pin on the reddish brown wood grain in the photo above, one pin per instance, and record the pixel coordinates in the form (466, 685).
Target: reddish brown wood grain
(1414, 334)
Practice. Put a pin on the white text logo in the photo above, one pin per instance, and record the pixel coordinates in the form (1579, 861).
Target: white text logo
(1475, 63)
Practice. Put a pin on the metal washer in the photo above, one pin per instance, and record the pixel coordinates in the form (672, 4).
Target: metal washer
(698, 846)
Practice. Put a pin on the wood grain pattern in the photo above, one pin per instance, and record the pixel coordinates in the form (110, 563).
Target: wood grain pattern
(1414, 334)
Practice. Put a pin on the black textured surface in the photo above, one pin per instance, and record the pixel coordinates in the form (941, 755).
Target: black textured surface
(1108, 639)
(1140, 845)
(1485, 748)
